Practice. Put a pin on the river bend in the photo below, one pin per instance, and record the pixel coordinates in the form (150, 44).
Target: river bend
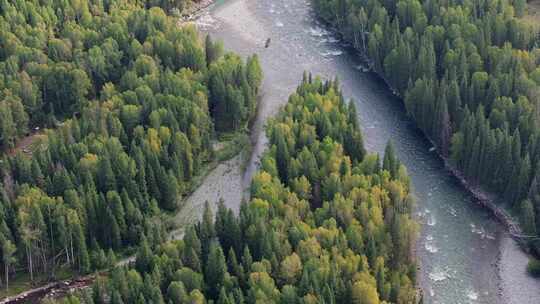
(464, 255)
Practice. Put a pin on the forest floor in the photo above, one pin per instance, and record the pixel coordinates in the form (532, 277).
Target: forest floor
(533, 15)
(27, 144)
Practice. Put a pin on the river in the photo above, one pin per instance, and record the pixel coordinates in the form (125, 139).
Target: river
(465, 256)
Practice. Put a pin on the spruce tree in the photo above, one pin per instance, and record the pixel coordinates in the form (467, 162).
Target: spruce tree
(215, 270)
(390, 162)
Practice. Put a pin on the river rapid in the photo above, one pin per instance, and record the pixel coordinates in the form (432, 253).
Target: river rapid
(464, 255)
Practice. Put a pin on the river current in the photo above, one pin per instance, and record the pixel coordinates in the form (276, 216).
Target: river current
(464, 255)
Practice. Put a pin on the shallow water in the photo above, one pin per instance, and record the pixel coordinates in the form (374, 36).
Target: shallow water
(464, 255)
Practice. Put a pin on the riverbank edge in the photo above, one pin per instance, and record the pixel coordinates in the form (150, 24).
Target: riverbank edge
(482, 197)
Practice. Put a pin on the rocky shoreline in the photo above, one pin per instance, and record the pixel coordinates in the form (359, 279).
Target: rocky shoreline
(486, 200)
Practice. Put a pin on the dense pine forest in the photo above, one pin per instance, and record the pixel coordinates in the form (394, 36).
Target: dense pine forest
(125, 104)
(470, 77)
(113, 111)
(327, 223)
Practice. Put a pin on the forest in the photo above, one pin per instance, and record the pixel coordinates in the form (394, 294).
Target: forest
(126, 105)
(327, 223)
(469, 74)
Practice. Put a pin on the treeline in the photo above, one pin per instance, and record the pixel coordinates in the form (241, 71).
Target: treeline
(140, 100)
(326, 224)
(469, 73)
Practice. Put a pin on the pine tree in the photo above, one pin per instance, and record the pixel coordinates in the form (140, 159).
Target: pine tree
(213, 50)
(247, 260)
(524, 177)
(215, 270)
(443, 127)
(8, 256)
(107, 179)
(390, 162)
(176, 292)
(170, 192)
(235, 268)
(116, 298)
(282, 159)
(7, 126)
(192, 241)
(528, 217)
(254, 74)
(117, 208)
(144, 257)
(206, 230)
(354, 144)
